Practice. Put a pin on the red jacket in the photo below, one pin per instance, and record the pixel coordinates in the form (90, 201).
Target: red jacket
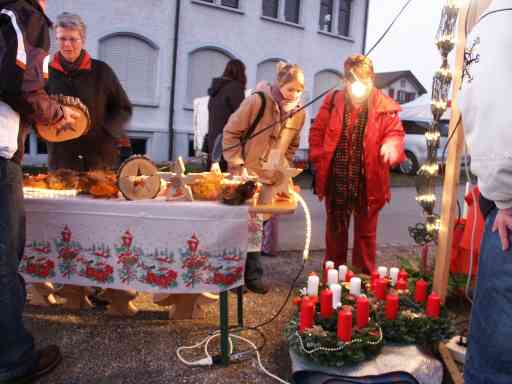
(383, 127)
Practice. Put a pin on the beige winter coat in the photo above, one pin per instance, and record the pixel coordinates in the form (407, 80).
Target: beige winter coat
(258, 148)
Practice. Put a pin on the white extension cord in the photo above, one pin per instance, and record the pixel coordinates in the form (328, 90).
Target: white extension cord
(457, 350)
(208, 360)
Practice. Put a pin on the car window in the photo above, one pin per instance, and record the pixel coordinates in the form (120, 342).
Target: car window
(443, 128)
(415, 127)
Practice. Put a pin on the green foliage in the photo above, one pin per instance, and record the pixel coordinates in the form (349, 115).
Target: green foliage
(412, 326)
(365, 344)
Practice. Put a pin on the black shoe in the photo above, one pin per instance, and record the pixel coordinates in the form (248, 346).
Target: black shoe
(49, 358)
(267, 254)
(257, 286)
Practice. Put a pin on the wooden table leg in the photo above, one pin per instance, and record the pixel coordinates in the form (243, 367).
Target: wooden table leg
(42, 294)
(76, 297)
(120, 302)
(185, 306)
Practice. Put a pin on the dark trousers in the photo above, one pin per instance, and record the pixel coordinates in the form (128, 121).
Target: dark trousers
(365, 239)
(489, 357)
(253, 267)
(17, 355)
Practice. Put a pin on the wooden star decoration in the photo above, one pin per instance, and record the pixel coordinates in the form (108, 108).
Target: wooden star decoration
(283, 185)
(178, 188)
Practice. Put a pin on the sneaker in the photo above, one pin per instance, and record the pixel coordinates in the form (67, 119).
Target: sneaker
(257, 286)
(49, 358)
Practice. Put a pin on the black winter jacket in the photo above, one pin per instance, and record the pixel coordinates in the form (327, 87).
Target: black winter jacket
(226, 95)
(96, 85)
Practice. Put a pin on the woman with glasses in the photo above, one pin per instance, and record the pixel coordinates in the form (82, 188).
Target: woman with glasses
(74, 73)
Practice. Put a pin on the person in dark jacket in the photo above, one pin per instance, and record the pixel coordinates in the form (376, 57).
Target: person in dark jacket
(74, 73)
(226, 94)
(24, 45)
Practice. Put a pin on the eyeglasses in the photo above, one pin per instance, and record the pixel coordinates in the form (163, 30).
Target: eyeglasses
(72, 40)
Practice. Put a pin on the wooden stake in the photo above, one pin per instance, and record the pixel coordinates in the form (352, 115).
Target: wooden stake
(450, 364)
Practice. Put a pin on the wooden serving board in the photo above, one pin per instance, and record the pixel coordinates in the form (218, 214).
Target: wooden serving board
(278, 207)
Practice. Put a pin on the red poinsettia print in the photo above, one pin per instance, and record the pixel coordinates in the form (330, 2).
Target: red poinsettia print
(101, 272)
(165, 278)
(40, 268)
(228, 278)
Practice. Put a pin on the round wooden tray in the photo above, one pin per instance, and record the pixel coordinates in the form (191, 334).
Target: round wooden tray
(55, 133)
(138, 178)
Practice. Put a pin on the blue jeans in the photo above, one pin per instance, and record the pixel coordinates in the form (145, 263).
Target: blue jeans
(489, 357)
(17, 355)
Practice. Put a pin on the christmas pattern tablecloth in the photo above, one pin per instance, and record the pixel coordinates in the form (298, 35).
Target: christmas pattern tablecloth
(151, 246)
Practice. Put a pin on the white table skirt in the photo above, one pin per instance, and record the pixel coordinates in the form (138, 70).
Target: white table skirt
(151, 245)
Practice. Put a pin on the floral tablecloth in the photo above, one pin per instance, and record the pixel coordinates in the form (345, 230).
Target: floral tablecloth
(150, 245)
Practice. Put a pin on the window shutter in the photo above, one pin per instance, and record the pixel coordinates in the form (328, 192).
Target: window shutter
(204, 65)
(323, 81)
(135, 63)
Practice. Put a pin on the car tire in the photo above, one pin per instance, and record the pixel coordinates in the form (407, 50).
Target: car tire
(409, 166)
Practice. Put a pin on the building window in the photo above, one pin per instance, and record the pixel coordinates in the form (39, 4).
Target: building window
(324, 80)
(204, 65)
(229, 3)
(344, 17)
(291, 11)
(409, 96)
(391, 93)
(326, 15)
(267, 70)
(402, 83)
(401, 96)
(135, 63)
(28, 142)
(283, 10)
(139, 145)
(270, 8)
(222, 3)
(41, 147)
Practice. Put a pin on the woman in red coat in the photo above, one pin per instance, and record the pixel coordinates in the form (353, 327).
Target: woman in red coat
(355, 139)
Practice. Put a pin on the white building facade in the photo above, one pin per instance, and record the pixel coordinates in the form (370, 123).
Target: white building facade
(165, 60)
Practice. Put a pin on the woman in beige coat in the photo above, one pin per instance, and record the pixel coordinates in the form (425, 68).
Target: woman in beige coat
(282, 100)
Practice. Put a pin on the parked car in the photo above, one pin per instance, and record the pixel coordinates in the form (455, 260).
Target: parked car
(416, 145)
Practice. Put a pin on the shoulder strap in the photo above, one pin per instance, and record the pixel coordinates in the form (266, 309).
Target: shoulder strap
(333, 100)
(247, 135)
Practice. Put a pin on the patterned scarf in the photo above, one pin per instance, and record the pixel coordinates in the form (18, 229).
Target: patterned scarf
(348, 174)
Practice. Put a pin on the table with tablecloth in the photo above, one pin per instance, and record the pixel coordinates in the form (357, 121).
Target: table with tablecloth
(147, 245)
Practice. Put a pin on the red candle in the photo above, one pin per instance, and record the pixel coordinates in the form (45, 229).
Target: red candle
(375, 276)
(345, 325)
(326, 309)
(362, 312)
(433, 306)
(403, 275)
(381, 289)
(307, 312)
(391, 306)
(401, 284)
(420, 293)
(348, 276)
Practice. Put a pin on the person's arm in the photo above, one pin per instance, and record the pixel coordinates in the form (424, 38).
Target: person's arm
(392, 148)
(294, 145)
(118, 110)
(237, 124)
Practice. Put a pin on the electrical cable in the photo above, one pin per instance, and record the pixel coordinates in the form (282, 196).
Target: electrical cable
(388, 28)
(209, 360)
